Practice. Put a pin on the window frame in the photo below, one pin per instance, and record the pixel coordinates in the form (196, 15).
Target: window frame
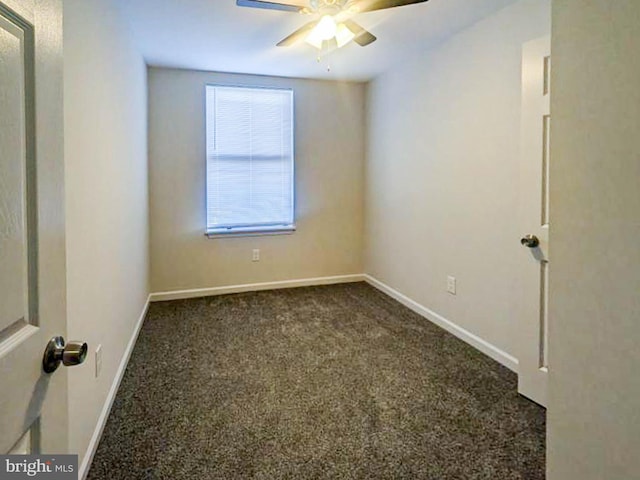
(252, 230)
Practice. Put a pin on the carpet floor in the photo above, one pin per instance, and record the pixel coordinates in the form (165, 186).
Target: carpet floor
(331, 382)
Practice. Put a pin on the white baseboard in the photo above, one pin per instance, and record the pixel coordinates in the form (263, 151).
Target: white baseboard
(254, 287)
(485, 347)
(106, 409)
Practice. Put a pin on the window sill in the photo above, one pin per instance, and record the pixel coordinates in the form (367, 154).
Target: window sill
(251, 232)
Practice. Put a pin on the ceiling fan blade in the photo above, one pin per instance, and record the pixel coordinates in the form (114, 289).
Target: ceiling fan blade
(269, 5)
(358, 6)
(298, 34)
(362, 36)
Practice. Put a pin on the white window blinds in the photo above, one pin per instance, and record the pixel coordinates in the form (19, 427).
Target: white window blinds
(249, 160)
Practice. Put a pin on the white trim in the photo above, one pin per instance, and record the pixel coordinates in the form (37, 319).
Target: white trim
(485, 347)
(254, 287)
(250, 233)
(106, 409)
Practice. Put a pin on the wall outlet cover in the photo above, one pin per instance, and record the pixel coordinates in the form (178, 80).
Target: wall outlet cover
(451, 285)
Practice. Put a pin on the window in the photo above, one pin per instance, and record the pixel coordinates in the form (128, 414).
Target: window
(249, 160)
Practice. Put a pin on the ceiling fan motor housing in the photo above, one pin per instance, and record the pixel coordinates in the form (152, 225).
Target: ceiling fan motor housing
(327, 6)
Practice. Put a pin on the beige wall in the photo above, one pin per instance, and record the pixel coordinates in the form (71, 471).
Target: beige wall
(594, 404)
(442, 173)
(329, 137)
(106, 199)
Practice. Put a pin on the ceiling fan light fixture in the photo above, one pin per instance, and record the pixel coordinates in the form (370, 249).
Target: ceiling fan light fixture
(314, 40)
(344, 35)
(326, 28)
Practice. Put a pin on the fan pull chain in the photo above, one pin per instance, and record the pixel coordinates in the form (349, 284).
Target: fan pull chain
(327, 54)
(328, 57)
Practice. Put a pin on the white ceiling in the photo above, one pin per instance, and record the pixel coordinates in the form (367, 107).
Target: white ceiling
(216, 35)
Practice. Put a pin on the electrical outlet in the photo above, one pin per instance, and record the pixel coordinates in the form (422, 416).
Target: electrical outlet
(451, 285)
(256, 255)
(98, 360)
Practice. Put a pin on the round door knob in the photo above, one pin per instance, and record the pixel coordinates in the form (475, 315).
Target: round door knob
(57, 352)
(530, 241)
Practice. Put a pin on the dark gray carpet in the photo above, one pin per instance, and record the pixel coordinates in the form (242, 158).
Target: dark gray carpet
(336, 382)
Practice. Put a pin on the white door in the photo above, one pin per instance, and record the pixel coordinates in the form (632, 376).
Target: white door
(33, 408)
(533, 272)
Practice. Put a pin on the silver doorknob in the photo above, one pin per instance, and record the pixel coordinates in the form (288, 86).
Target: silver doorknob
(530, 241)
(57, 352)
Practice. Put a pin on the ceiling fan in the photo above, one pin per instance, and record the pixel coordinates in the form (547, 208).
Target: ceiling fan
(333, 26)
